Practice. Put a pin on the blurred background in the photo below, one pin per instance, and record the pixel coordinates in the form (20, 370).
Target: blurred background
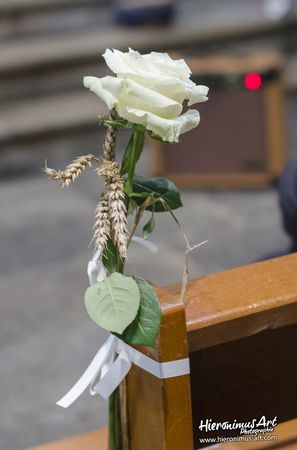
(46, 47)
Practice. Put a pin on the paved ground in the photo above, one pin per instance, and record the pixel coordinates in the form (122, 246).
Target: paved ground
(46, 336)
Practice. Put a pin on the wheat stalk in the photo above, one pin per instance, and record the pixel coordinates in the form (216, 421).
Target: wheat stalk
(72, 171)
(53, 174)
(117, 209)
(101, 226)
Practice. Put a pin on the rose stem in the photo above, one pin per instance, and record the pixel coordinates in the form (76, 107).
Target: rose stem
(112, 441)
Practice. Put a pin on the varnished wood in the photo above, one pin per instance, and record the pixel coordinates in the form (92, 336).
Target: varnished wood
(95, 440)
(240, 302)
(161, 409)
(233, 64)
(245, 379)
(286, 439)
(275, 133)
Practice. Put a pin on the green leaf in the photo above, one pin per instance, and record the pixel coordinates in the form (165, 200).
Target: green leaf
(156, 137)
(109, 257)
(159, 187)
(144, 329)
(143, 195)
(132, 205)
(127, 153)
(114, 302)
(150, 225)
(115, 123)
(131, 156)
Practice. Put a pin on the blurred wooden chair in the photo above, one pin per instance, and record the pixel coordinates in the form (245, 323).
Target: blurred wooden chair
(240, 334)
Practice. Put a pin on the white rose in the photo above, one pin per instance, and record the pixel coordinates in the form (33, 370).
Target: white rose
(150, 90)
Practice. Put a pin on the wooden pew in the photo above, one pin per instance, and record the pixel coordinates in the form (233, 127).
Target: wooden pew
(239, 329)
(97, 440)
(241, 333)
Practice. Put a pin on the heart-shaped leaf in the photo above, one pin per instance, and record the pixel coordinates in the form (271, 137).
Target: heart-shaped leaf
(114, 302)
(159, 188)
(145, 327)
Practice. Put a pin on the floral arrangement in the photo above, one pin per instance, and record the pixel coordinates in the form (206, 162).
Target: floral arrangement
(149, 95)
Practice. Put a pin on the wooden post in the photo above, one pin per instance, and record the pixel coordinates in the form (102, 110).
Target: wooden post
(160, 410)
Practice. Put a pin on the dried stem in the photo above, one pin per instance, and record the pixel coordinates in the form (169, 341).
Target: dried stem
(110, 140)
(189, 249)
(139, 213)
(123, 401)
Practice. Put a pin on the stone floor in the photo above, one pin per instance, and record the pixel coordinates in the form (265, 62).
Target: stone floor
(46, 337)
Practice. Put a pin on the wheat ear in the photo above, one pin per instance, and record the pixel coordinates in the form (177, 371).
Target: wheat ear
(101, 229)
(117, 209)
(72, 171)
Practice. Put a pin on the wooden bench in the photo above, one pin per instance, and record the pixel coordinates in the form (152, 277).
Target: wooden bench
(239, 329)
(97, 440)
(241, 336)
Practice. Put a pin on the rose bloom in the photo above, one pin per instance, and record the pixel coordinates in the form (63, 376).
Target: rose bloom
(150, 90)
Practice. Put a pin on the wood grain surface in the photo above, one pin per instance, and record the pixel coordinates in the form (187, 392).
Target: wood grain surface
(240, 302)
(160, 410)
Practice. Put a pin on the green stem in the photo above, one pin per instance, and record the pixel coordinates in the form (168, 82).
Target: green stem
(112, 444)
(136, 149)
(118, 425)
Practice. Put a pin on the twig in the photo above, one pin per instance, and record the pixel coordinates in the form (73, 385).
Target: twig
(140, 211)
(110, 140)
(189, 249)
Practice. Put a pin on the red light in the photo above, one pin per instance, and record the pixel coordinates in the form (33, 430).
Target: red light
(253, 81)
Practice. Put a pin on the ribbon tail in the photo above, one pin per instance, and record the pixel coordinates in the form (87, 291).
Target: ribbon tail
(148, 244)
(90, 373)
(113, 377)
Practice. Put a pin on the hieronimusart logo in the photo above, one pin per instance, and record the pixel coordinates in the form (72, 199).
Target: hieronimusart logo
(254, 426)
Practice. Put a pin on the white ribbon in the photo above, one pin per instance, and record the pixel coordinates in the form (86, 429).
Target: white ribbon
(111, 365)
(148, 244)
(96, 270)
(114, 359)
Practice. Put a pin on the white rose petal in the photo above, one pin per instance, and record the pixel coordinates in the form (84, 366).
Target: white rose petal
(168, 129)
(137, 96)
(150, 90)
(116, 61)
(169, 66)
(197, 94)
(107, 88)
(114, 91)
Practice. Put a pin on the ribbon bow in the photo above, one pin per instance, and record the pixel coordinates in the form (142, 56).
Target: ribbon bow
(112, 363)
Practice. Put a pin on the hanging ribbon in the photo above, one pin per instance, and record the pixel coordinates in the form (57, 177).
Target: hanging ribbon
(111, 365)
